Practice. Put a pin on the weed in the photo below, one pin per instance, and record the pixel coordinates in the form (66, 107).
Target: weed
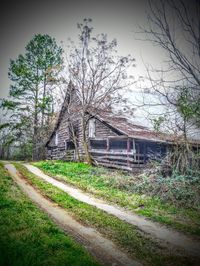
(136, 243)
(29, 237)
(141, 194)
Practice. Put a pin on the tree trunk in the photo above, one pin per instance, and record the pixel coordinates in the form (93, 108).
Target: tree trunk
(87, 153)
(43, 99)
(74, 137)
(2, 152)
(35, 137)
(85, 143)
(35, 127)
(76, 148)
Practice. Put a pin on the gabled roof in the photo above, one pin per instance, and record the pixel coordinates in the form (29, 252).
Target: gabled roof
(120, 124)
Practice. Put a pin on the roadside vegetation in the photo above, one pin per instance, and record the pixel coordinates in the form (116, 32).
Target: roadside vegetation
(128, 237)
(172, 201)
(27, 235)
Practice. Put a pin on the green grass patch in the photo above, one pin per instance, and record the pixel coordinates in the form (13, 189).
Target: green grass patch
(112, 186)
(27, 235)
(127, 236)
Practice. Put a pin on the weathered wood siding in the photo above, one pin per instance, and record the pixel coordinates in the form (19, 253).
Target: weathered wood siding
(118, 159)
(52, 142)
(117, 150)
(102, 130)
(59, 151)
(63, 130)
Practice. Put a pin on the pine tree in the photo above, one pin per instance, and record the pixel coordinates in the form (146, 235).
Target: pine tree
(31, 93)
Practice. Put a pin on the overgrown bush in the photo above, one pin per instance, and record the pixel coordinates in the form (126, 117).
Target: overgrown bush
(178, 189)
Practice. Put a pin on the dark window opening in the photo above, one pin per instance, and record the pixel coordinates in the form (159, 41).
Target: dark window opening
(151, 150)
(131, 144)
(118, 144)
(98, 144)
(70, 145)
(154, 151)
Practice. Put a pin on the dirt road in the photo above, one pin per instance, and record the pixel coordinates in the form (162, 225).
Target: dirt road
(103, 249)
(167, 236)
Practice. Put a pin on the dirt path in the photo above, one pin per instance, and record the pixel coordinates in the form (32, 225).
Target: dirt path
(167, 236)
(103, 249)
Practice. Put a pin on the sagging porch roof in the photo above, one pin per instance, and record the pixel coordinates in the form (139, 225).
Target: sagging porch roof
(130, 129)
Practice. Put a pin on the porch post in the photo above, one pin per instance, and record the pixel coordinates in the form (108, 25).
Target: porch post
(128, 145)
(108, 144)
(128, 150)
(145, 152)
(134, 150)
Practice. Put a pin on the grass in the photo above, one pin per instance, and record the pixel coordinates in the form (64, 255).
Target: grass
(111, 185)
(128, 237)
(28, 237)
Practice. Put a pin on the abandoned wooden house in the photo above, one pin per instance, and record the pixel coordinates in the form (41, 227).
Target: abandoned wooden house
(113, 141)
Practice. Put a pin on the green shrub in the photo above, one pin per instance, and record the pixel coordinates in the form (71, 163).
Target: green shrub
(178, 189)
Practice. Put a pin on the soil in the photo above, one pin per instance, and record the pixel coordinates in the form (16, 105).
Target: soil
(166, 236)
(103, 249)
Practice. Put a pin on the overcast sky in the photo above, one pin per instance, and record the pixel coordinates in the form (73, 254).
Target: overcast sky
(119, 19)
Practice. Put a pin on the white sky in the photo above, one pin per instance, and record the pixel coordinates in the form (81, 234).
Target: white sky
(20, 21)
(119, 19)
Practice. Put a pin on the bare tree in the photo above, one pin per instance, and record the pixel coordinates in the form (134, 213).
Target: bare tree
(174, 26)
(97, 73)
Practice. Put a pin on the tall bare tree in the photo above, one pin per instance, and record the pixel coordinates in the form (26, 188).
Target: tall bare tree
(174, 26)
(97, 73)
